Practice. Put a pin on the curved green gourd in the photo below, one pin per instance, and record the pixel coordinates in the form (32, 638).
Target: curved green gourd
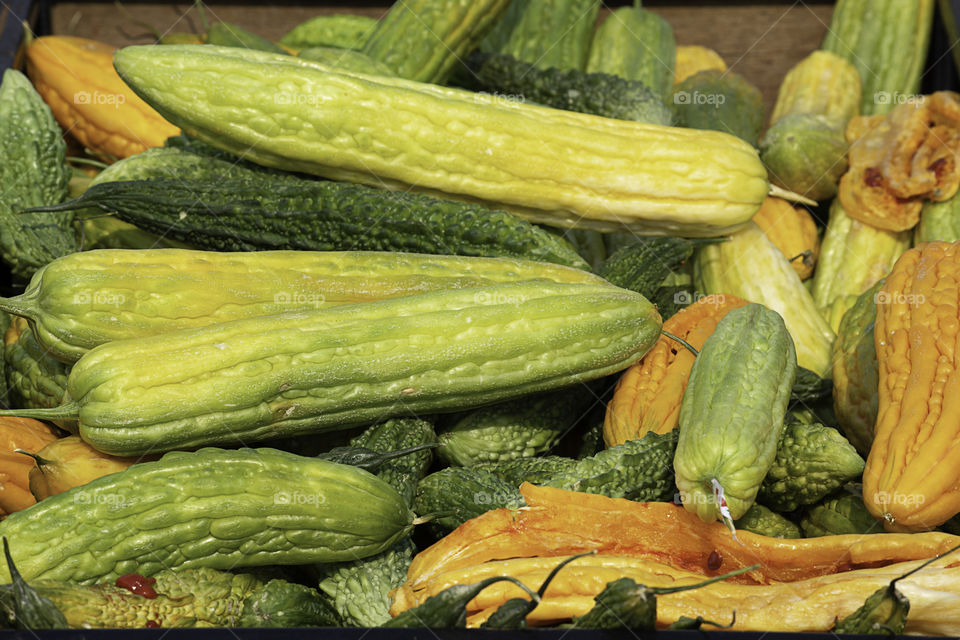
(731, 416)
(34, 378)
(324, 369)
(214, 508)
(85, 299)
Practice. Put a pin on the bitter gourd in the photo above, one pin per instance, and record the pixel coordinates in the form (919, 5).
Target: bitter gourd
(303, 116)
(731, 417)
(35, 379)
(85, 299)
(213, 508)
(342, 30)
(33, 172)
(425, 39)
(600, 94)
(359, 590)
(297, 214)
(326, 369)
(635, 44)
(812, 461)
(887, 41)
(346, 59)
(840, 514)
(721, 101)
(187, 598)
(546, 33)
(520, 428)
(637, 470)
(762, 521)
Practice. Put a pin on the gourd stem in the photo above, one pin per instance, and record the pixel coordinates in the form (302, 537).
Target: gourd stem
(556, 569)
(924, 564)
(69, 410)
(39, 460)
(790, 196)
(686, 587)
(686, 344)
(22, 305)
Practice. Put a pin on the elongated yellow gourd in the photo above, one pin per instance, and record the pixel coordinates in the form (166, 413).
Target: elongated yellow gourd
(550, 166)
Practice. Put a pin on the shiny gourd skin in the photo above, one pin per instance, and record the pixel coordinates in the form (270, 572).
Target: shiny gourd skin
(731, 417)
(322, 369)
(209, 508)
(645, 186)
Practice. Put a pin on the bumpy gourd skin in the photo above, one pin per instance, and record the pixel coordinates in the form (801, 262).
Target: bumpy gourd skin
(548, 165)
(214, 508)
(812, 461)
(840, 514)
(33, 172)
(601, 94)
(731, 417)
(35, 378)
(855, 375)
(310, 371)
(912, 472)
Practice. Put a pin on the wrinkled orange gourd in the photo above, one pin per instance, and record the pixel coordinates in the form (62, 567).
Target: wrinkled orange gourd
(75, 76)
(662, 544)
(70, 462)
(793, 231)
(648, 394)
(912, 476)
(560, 522)
(26, 434)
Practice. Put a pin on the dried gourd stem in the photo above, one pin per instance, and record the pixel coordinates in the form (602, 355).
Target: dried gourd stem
(925, 563)
(790, 196)
(686, 344)
(806, 256)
